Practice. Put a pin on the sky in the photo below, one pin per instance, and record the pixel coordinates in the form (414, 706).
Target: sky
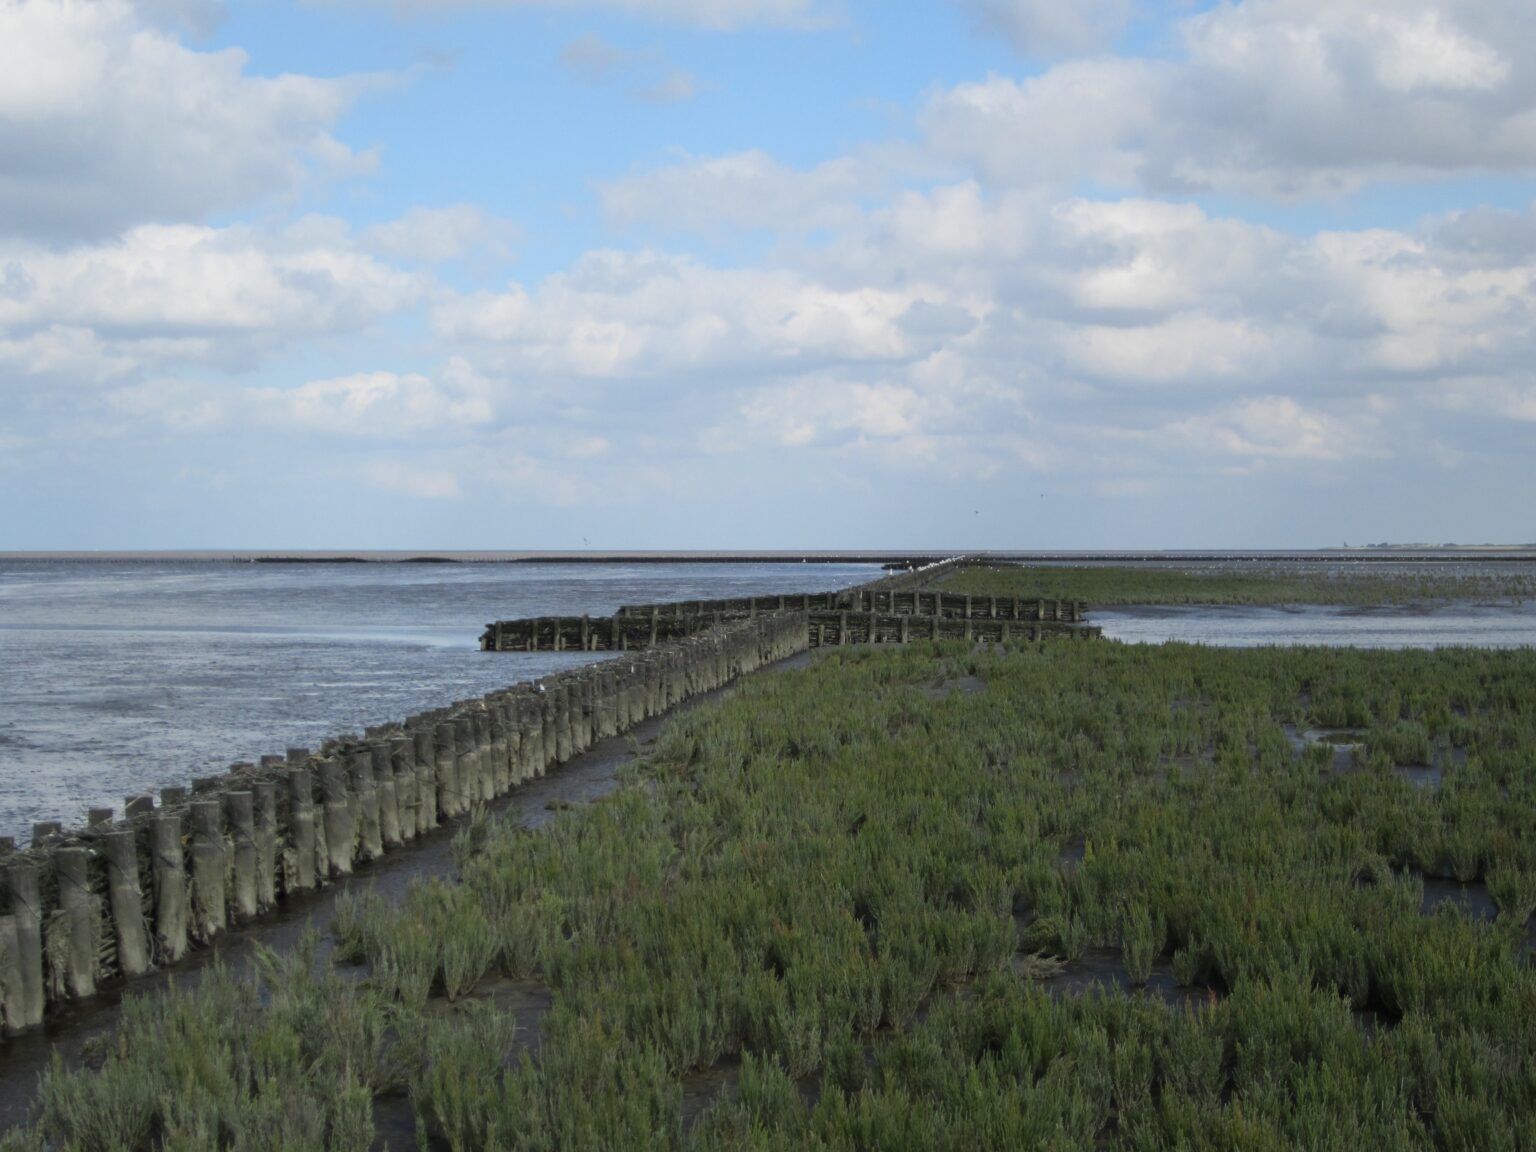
(607, 274)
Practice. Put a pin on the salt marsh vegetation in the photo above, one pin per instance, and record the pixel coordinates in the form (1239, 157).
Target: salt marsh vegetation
(858, 905)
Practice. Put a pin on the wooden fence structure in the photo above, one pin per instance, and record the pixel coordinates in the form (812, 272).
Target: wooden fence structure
(827, 622)
(87, 907)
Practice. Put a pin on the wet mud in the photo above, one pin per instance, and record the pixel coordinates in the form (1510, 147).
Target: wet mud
(1103, 970)
(958, 686)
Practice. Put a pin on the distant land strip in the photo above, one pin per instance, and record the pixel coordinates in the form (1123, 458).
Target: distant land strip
(891, 558)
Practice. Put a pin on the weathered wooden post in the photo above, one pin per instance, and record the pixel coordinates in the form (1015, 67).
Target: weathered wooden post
(73, 954)
(466, 761)
(25, 1000)
(544, 727)
(402, 768)
(12, 993)
(168, 872)
(340, 831)
(515, 720)
(209, 915)
(481, 718)
(562, 703)
(364, 801)
(581, 713)
(450, 801)
(240, 808)
(423, 742)
(654, 695)
(265, 794)
(533, 734)
(496, 748)
(384, 789)
(300, 852)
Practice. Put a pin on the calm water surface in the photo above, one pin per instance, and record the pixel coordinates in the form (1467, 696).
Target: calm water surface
(1494, 625)
(116, 678)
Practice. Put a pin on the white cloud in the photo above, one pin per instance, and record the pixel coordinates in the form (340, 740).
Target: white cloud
(742, 190)
(1267, 427)
(1283, 98)
(440, 235)
(721, 15)
(106, 122)
(1048, 27)
(65, 353)
(1081, 120)
(646, 315)
(673, 88)
(201, 18)
(190, 293)
(393, 475)
(1187, 349)
(1021, 334)
(1502, 398)
(593, 60)
(376, 405)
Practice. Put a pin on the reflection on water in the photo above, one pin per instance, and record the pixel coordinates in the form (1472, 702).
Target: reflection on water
(116, 678)
(1499, 625)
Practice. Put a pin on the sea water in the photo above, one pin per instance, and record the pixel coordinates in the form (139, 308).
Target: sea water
(119, 677)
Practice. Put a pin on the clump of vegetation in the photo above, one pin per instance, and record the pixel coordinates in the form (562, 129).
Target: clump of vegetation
(292, 1059)
(857, 893)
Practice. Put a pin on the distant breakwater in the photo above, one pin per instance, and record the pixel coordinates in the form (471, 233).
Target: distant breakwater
(866, 615)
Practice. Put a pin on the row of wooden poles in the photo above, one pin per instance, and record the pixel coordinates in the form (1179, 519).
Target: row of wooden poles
(838, 628)
(634, 632)
(123, 896)
(888, 602)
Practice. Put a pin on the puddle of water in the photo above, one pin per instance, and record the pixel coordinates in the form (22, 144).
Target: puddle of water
(1185, 766)
(1345, 742)
(1421, 776)
(1452, 758)
(701, 1089)
(1472, 898)
(960, 685)
(394, 1126)
(1103, 968)
(796, 662)
(526, 1001)
(1507, 624)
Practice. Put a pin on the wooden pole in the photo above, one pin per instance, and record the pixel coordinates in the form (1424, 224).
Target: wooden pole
(24, 997)
(240, 808)
(209, 915)
(169, 872)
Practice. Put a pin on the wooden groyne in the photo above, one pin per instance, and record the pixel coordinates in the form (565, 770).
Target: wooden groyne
(826, 622)
(839, 628)
(87, 907)
(889, 602)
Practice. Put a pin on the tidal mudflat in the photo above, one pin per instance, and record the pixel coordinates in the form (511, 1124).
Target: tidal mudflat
(1104, 895)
